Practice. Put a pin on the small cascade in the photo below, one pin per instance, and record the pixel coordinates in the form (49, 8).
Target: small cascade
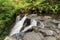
(18, 26)
(33, 24)
(35, 28)
(18, 18)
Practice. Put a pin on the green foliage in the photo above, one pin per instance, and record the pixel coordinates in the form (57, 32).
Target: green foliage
(47, 6)
(7, 10)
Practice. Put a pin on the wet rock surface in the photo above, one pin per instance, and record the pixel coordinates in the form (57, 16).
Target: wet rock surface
(50, 38)
(47, 28)
(33, 36)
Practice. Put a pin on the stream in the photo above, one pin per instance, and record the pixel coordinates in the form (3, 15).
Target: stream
(41, 28)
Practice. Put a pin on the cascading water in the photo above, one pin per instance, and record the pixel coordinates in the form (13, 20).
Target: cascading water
(43, 26)
(19, 24)
(18, 18)
(16, 29)
(33, 23)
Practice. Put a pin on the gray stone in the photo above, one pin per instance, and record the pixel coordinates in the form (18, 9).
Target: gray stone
(55, 21)
(50, 38)
(33, 36)
(58, 26)
(47, 31)
(57, 31)
(47, 17)
(50, 25)
(18, 18)
(32, 16)
(45, 28)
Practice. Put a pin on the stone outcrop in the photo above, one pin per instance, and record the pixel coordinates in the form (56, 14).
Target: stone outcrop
(47, 28)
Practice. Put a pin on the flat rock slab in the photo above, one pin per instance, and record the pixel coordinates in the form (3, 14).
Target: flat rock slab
(50, 38)
(33, 36)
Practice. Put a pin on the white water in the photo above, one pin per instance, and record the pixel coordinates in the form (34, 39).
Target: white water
(18, 18)
(33, 23)
(18, 26)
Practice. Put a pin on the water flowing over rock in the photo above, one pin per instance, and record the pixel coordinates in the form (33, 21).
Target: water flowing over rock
(38, 28)
(18, 18)
(33, 23)
(18, 26)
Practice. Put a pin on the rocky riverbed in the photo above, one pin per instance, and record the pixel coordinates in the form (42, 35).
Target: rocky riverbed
(47, 28)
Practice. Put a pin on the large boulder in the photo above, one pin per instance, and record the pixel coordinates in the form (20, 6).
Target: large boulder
(33, 36)
(50, 38)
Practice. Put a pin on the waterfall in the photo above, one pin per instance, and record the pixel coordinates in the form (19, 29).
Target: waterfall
(33, 23)
(16, 29)
(18, 18)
